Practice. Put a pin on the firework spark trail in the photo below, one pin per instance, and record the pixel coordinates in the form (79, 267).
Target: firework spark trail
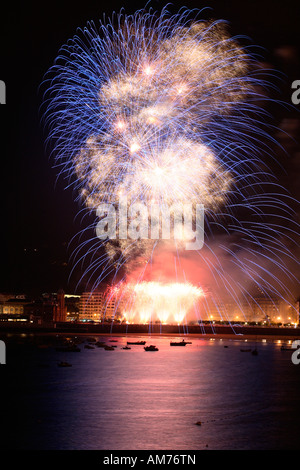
(142, 109)
(161, 108)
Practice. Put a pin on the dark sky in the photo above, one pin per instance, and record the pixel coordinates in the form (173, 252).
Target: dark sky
(38, 214)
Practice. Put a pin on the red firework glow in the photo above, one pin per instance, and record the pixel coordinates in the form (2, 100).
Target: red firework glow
(154, 301)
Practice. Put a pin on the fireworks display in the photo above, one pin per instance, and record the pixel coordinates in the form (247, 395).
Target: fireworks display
(146, 302)
(164, 108)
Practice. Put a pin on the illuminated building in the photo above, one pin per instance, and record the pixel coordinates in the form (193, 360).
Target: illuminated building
(60, 309)
(97, 306)
(270, 310)
(72, 306)
(47, 309)
(91, 306)
(298, 311)
(253, 309)
(13, 309)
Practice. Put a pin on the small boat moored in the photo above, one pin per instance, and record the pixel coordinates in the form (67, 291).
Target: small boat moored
(151, 348)
(283, 348)
(68, 349)
(137, 342)
(179, 343)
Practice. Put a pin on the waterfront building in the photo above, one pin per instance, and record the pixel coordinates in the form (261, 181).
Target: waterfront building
(60, 309)
(91, 306)
(47, 309)
(72, 302)
(251, 309)
(98, 307)
(13, 308)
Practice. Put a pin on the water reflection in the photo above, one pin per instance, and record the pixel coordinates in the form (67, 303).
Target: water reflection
(132, 399)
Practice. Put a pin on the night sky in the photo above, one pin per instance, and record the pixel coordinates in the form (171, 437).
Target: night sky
(38, 216)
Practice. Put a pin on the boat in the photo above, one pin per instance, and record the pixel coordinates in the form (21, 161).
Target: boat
(87, 346)
(100, 344)
(109, 348)
(68, 349)
(77, 341)
(113, 340)
(64, 364)
(151, 348)
(283, 348)
(126, 347)
(254, 352)
(137, 342)
(179, 343)
(245, 350)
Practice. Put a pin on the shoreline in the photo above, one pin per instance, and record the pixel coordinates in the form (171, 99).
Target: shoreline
(207, 331)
